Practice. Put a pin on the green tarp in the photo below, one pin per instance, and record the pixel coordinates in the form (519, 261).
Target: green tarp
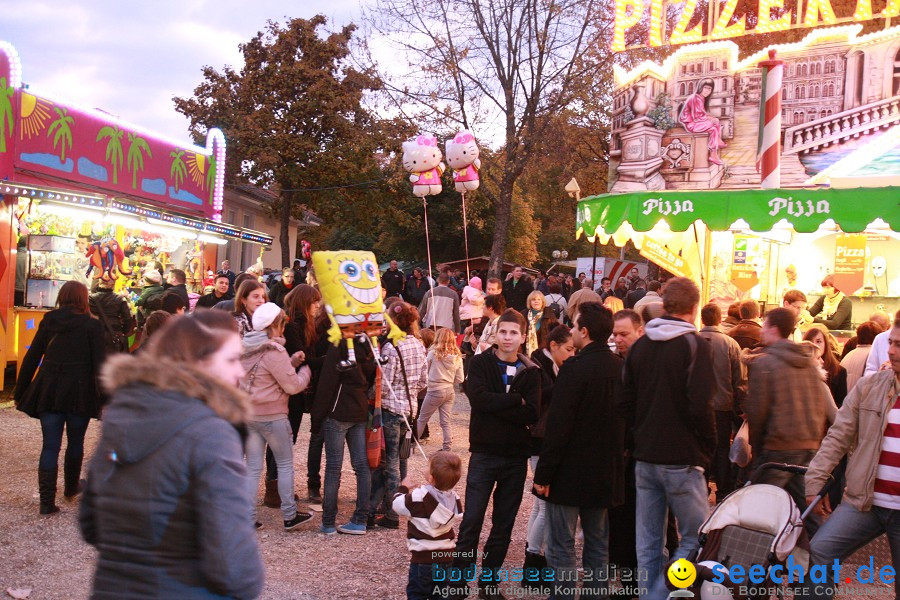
(805, 209)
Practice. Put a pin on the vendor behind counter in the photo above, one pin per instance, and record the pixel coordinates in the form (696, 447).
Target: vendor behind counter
(833, 309)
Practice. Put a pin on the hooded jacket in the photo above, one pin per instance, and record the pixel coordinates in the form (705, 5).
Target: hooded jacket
(499, 420)
(166, 503)
(667, 395)
(274, 379)
(746, 333)
(789, 406)
(429, 531)
(69, 349)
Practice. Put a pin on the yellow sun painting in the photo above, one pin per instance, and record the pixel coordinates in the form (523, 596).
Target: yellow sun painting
(197, 169)
(35, 113)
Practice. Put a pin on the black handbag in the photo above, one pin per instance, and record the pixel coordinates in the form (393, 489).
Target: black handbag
(406, 440)
(28, 403)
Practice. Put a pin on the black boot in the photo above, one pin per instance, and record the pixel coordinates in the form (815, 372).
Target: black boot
(47, 490)
(73, 484)
(533, 573)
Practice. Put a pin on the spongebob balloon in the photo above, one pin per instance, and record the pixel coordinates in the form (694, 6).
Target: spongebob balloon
(351, 294)
(422, 158)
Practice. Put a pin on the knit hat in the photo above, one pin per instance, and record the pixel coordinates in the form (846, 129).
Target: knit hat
(475, 282)
(152, 276)
(265, 315)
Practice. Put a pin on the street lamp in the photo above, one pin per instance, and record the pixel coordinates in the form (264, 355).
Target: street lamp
(560, 254)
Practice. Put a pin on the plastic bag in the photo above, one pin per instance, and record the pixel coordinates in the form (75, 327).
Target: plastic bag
(741, 453)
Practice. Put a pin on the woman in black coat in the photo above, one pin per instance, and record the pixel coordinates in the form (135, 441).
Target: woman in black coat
(64, 395)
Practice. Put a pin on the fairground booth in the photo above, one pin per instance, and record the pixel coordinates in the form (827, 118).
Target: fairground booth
(86, 195)
(759, 174)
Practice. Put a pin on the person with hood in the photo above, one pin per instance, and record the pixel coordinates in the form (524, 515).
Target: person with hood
(789, 407)
(280, 289)
(166, 503)
(114, 314)
(667, 403)
(471, 305)
(504, 391)
(271, 378)
(69, 349)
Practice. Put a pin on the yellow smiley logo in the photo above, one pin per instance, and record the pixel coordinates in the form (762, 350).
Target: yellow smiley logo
(682, 573)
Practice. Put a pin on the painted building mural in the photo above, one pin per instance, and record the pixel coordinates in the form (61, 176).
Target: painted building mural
(41, 137)
(840, 91)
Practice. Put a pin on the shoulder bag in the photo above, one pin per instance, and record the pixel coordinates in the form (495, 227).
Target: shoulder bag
(406, 441)
(115, 340)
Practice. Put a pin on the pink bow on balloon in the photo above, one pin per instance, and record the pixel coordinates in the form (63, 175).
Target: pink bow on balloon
(425, 140)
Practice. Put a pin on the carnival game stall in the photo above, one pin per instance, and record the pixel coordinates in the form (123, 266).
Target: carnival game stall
(91, 197)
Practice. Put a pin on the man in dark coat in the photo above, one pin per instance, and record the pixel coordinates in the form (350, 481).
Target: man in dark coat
(175, 281)
(220, 293)
(748, 330)
(517, 288)
(393, 281)
(636, 294)
(581, 469)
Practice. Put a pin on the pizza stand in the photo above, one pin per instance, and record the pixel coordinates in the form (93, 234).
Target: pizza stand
(92, 195)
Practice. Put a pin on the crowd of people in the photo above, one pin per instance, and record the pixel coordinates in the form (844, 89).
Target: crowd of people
(620, 406)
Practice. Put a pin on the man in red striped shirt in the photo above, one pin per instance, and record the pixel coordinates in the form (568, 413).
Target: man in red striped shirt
(868, 423)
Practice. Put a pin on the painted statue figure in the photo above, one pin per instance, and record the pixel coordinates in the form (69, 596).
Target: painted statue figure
(108, 258)
(462, 155)
(422, 158)
(351, 294)
(695, 118)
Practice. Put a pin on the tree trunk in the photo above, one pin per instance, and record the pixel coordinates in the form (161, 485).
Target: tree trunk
(501, 231)
(284, 236)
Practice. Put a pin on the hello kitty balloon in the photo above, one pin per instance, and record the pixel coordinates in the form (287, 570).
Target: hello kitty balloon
(422, 158)
(462, 154)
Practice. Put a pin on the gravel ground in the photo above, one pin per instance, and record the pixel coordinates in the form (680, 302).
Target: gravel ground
(47, 555)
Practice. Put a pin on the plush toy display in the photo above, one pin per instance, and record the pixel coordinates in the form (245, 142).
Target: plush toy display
(422, 158)
(462, 155)
(351, 294)
(109, 259)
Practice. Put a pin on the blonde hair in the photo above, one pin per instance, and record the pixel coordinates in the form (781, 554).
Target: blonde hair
(614, 303)
(532, 296)
(445, 344)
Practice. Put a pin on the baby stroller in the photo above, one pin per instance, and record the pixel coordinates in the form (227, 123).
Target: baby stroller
(758, 524)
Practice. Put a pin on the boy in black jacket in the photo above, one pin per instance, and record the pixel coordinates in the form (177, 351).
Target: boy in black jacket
(504, 389)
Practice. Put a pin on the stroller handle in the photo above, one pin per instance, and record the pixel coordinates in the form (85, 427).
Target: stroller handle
(758, 471)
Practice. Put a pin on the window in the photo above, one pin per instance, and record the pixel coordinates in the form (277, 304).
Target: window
(822, 114)
(784, 94)
(801, 92)
(724, 112)
(247, 249)
(829, 67)
(683, 69)
(815, 92)
(724, 65)
(712, 67)
(681, 89)
(798, 118)
(692, 68)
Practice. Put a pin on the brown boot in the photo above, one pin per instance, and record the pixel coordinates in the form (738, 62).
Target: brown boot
(272, 499)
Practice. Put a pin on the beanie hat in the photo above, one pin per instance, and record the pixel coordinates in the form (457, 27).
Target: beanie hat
(152, 276)
(265, 315)
(475, 282)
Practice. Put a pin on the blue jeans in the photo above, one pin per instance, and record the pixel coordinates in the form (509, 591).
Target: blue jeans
(335, 433)
(421, 584)
(846, 531)
(277, 435)
(504, 476)
(561, 522)
(52, 425)
(681, 488)
(385, 486)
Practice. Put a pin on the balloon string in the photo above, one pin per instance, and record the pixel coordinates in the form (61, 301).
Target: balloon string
(466, 235)
(431, 281)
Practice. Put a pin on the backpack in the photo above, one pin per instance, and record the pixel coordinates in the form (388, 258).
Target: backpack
(555, 306)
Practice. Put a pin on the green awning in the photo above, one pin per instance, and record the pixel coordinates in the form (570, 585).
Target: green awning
(804, 209)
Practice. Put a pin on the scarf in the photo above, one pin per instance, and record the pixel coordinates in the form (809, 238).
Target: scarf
(831, 303)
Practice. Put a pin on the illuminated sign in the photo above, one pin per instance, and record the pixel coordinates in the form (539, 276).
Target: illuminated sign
(630, 13)
(665, 258)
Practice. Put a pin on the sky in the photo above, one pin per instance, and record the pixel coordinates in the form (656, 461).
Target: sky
(130, 58)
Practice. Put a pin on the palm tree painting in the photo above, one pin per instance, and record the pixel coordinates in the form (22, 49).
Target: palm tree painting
(211, 177)
(113, 148)
(63, 132)
(6, 111)
(136, 147)
(179, 169)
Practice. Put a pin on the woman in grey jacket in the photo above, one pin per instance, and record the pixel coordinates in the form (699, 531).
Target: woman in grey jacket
(166, 504)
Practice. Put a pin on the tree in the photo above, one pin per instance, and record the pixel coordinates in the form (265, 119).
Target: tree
(136, 148)
(63, 128)
(293, 115)
(478, 62)
(114, 154)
